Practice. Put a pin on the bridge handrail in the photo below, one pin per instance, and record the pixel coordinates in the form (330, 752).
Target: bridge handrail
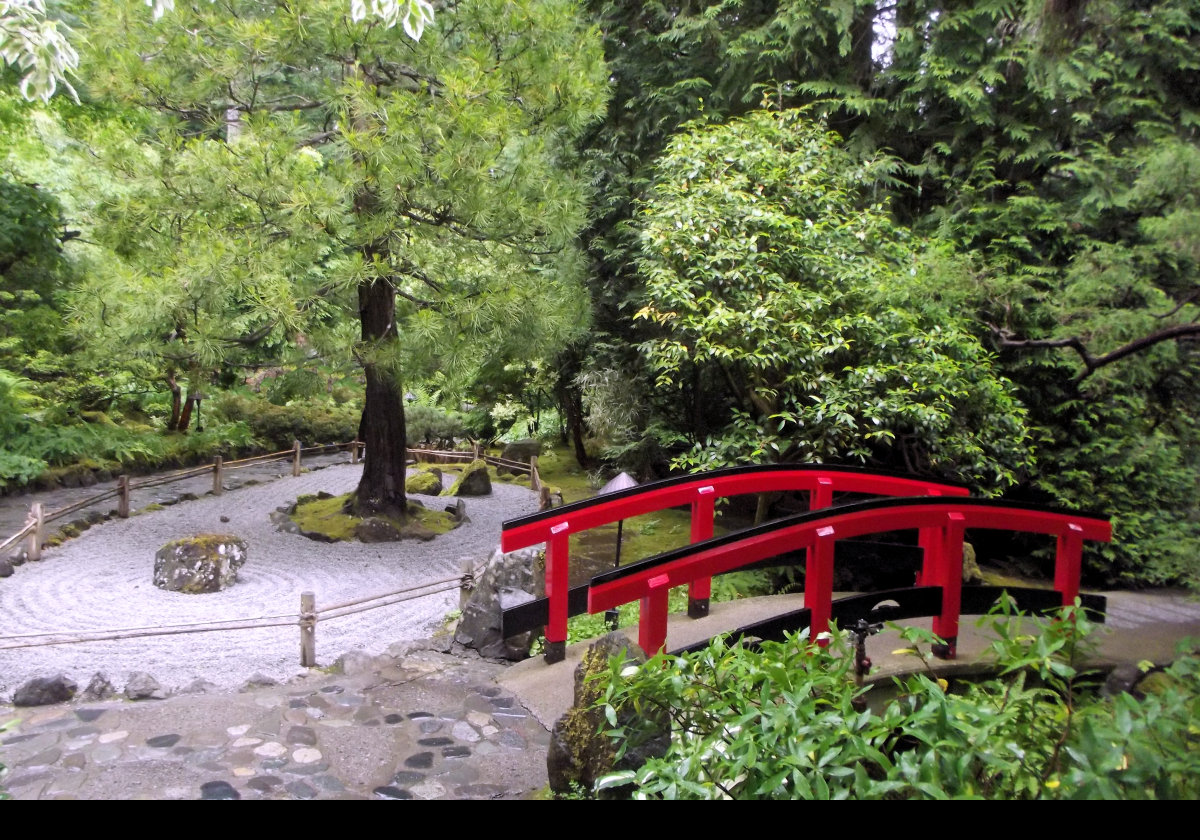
(872, 517)
(583, 515)
(555, 526)
(817, 531)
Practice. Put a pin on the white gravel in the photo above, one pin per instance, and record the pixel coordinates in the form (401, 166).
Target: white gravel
(102, 581)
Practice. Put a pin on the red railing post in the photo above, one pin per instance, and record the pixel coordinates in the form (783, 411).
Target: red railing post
(557, 584)
(703, 511)
(818, 583)
(949, 578)
(1068, 559)
(652, 616)
(821, 496)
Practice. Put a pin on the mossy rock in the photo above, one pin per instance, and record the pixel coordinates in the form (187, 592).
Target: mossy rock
(327, 520)
(424, 483)
(475, 480)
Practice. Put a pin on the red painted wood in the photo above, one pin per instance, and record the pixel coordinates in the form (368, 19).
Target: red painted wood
(818, 583)
(946, 519)
(557, 583)
(703, 513)
(701, 493)
(1068, 560)
(950, 554)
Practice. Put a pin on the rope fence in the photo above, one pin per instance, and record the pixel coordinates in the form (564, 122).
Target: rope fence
(307, 619)
(309, 616)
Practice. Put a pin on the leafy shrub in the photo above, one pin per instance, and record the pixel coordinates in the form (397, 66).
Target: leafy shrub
(428, 424)
(278, 426)
(789, 723)
(18, 470)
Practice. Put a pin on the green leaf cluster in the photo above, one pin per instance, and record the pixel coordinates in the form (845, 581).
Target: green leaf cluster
(787, 721)
(766, 260)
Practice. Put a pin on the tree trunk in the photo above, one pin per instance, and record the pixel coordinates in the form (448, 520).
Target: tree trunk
(185, 419)
(381, 489)
(176, 402)
(570, 402)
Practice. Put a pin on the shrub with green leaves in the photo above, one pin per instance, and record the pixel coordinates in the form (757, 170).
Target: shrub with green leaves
(789, 722)
(770, 261)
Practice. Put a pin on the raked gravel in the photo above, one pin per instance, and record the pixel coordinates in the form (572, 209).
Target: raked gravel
(102, 580)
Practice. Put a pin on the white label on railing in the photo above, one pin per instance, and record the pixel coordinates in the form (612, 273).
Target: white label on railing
(704, 491)
(559, 528)
(827, 531)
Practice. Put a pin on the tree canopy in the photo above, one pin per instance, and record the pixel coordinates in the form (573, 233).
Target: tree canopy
(301, 161)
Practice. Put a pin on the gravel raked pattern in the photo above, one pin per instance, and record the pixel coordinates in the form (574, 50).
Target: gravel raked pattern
(101, 580)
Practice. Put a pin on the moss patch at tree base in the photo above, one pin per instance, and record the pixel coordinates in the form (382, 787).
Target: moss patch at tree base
(325, 518)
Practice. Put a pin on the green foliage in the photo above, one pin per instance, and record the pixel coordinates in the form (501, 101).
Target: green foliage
(278, 426)
(788, 723)
(766, 261)
(430, 425)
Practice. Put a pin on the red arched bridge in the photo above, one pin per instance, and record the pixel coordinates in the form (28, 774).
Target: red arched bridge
(939, 512)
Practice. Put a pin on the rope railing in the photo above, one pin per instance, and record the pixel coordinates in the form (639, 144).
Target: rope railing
(169, 477)
(308, 617)
(17, 537)
(71, 508)
(259, 459)
(126, 486)
(306, 620)
(39, 518)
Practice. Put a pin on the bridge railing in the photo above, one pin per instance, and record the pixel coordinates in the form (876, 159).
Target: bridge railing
(554, 527)
(940, 521)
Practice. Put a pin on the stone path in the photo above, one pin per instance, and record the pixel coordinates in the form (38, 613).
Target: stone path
(419, 725)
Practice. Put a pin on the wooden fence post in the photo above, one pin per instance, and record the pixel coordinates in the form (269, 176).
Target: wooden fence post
(37, 518)
(477, 450)
(123, 496)
(467, 585)
(308, 630)
(218, 486)
(354, 452)
(535, 481)
(296, 458)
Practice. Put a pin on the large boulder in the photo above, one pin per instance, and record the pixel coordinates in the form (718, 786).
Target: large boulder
(45, 691)
(520, 450)
(426, 482)
(579, 751)
(203, 563)
(507, 580)
(474, 481)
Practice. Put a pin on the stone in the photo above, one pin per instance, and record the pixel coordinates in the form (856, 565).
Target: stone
(6, 568)
(199, 686)
(458, 510)
(376, 529)
(258, 680)
(357, 662)
(199, 564)
(98, 688)
(971, 571)
(142, 686)
(519, 450)
(507, 580)
(218, 790)
(474, 481)
(427, 482)
(44, 691)
(579, 753)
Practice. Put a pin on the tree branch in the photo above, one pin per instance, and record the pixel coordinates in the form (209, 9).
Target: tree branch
(1093, 363)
